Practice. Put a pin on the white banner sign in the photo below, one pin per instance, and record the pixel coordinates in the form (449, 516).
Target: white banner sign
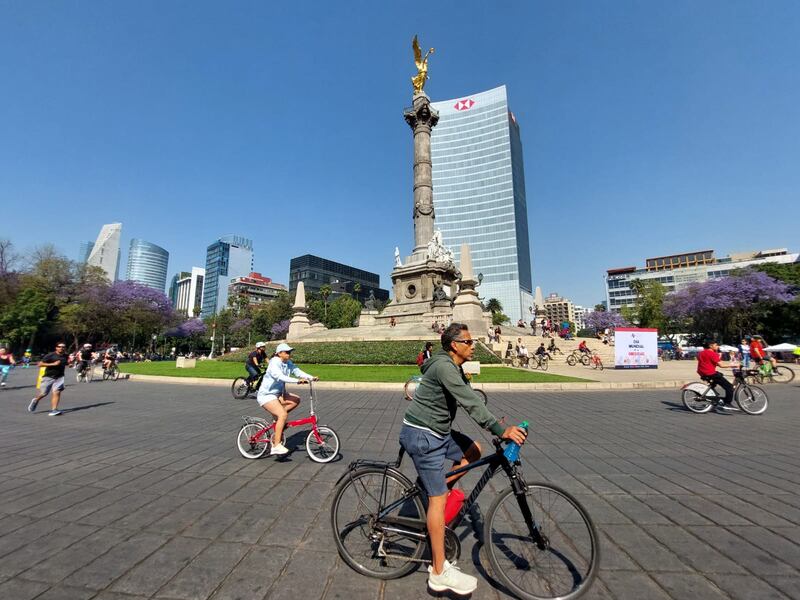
(635, 348)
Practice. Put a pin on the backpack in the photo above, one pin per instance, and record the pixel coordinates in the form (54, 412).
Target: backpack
(420, 359)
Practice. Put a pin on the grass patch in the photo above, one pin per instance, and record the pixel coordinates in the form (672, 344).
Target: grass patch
(369, 373)
(392, 352)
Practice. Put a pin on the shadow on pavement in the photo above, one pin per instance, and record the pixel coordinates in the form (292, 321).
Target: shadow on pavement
(85, 407)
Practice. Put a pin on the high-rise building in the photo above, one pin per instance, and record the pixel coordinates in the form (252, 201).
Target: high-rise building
(479, 195)
(255, 288)
(186, 291)
(315, 272)
(678, 270)
(227, 258)
(147, 264)
(105, 252)
(559, 309)
(581, 312)
(84, 252)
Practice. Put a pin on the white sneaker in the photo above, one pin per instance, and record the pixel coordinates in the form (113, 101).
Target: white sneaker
(279, 449)
(451, 579)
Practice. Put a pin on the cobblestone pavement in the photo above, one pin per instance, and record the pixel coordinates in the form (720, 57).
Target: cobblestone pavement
(137, 491)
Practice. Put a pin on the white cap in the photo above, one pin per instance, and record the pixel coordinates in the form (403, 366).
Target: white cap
(87, 345)
(283, 348)
(260, 344)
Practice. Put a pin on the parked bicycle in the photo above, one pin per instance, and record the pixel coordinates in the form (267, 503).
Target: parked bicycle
(596, 362)
(241, 389)
(576, 356)
(255, 436)
(410, 387)
(701, 397)
(540, 541)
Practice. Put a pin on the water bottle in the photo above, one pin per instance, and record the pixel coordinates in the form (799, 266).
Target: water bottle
(512, 449)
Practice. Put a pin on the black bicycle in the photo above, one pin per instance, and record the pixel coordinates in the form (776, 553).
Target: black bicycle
(541, 543)
(241, 389)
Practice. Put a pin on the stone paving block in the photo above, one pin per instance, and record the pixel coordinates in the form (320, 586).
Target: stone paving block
(155, 571)
(743, 552)
(253, 577)
(687, 585)
(26, 534)
(788, 585)
(635, 509)
(215, 521)
(169, 483)
(602, 510)
(205, 573)
(102, 500)
(693, 551)
(9, 523)
(119, 509)
(116, 562)
(24, 503)
(62, 592)
(645, 550)
(612, 558)
(633, 584)
(182, 517)
(299, 568)
(747, 587)
(781, 542)
(195, 487)
(66, 562)
(251, 526)
(151, 512)
(682, 510)
(225, 488)
(43, 547)
(19, 589)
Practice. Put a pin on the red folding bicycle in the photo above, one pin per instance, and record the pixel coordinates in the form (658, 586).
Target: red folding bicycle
(255, 436)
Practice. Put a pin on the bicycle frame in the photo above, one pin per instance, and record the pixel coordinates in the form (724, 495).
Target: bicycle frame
(310, 420)
(493, 462)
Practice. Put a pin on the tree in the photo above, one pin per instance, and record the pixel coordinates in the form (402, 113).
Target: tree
(600, 308)
(325, 292)
(648, 309)
(600, 320)
(728, 307)
(782, 322)
(344, 312)
(493, 305)
(269, 313)
(356, 289)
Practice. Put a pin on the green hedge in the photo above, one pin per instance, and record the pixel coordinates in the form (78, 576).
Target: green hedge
(361, 353)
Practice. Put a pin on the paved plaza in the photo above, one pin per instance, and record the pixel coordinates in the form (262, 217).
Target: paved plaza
(137, 491)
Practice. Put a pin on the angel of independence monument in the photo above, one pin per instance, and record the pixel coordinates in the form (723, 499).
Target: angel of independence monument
(425, 280)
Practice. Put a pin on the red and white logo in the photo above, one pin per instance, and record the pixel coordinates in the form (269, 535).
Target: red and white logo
(464, 104)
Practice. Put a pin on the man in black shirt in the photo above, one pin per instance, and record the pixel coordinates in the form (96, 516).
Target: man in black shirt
(85, 356)
(254, 361)
(53, 378)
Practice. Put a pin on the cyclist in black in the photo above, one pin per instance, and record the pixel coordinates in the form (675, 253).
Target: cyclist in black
(85, 356)
(254, 361)
(541, 351)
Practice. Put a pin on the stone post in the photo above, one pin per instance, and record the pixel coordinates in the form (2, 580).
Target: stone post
(422, 118)
(299, 324)
(467, 306)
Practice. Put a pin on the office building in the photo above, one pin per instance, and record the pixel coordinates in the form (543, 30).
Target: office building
(147, 264)
(479, 195)
(84, 252)
(255, 289)
(581, 313)
(315, 272)
(186, 291)
(559, 309)
(227, 258)
(105, 251)
(678, 270)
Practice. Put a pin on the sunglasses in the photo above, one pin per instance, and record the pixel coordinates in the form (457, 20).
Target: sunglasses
(467, 342)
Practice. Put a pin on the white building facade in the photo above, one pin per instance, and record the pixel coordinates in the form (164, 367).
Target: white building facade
(479, 195)
(105, 253)
(189, 292)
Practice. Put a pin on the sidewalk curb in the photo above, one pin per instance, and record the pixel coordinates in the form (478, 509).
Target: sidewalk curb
(489, 387)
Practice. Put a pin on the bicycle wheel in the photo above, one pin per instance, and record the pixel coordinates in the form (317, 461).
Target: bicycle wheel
(567, 565)
(239, 388)
(751, 399)
(326, 448)
(251, 448)
(409, 388)
(79, 375)
(482, 394)
(515, 362)
(114, 374)
(89, 373)
(105, 374)
(362, 541)
(571, 360)
(782, 374)
(544, 364)
(695, 400)
(585, 360)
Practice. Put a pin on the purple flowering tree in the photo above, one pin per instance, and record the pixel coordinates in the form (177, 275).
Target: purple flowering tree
(138, 310)
(600, 320)
(728, 307)
(280, 329)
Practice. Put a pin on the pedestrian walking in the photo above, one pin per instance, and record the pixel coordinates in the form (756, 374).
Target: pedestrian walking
(6, 362)
(53, 379)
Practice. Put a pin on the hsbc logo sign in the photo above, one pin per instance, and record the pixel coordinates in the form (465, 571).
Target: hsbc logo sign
(465, 104)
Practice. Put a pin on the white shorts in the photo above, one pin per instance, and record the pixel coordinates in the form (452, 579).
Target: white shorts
(263, 399)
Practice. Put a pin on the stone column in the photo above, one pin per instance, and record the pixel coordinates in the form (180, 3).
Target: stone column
(299, 324)
(422, 118)
(466, 306)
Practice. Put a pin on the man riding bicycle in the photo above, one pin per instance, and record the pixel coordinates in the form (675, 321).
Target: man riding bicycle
(109, 358)
(584, 347)
(85, 356)
(428, 438)
(254, 363)
(542, 351)
(707, 362)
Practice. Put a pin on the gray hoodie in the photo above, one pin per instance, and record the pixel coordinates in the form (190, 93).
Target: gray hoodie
(443, 388)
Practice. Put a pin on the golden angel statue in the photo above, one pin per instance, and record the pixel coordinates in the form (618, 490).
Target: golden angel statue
(422, 66)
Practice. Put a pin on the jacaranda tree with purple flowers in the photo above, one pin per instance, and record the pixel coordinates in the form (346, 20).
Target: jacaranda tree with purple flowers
(728, 307)
(599, 320)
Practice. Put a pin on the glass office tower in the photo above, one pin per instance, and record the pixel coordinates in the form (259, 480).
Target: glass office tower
(147, 264)
(227, 258)
(479, 195)
(105, 251)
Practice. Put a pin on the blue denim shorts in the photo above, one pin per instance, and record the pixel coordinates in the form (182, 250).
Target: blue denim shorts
(433, 457)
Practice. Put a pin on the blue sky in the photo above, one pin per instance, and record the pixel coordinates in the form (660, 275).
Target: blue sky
(647, 128)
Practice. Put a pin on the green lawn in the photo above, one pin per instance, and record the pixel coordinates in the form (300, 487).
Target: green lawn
(378, 373)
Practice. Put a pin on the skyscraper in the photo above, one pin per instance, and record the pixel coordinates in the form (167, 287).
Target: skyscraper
(227, 258)
(147, 264)
(84, 252)
(479, 194)
(186, 291)
(105, 252)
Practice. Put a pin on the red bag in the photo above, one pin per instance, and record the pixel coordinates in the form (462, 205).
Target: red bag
(420, 359)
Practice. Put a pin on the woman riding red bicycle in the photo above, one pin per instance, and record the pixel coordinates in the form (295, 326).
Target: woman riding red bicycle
(272, 395)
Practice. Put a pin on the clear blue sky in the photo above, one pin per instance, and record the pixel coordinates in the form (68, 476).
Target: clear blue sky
(648, 128)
